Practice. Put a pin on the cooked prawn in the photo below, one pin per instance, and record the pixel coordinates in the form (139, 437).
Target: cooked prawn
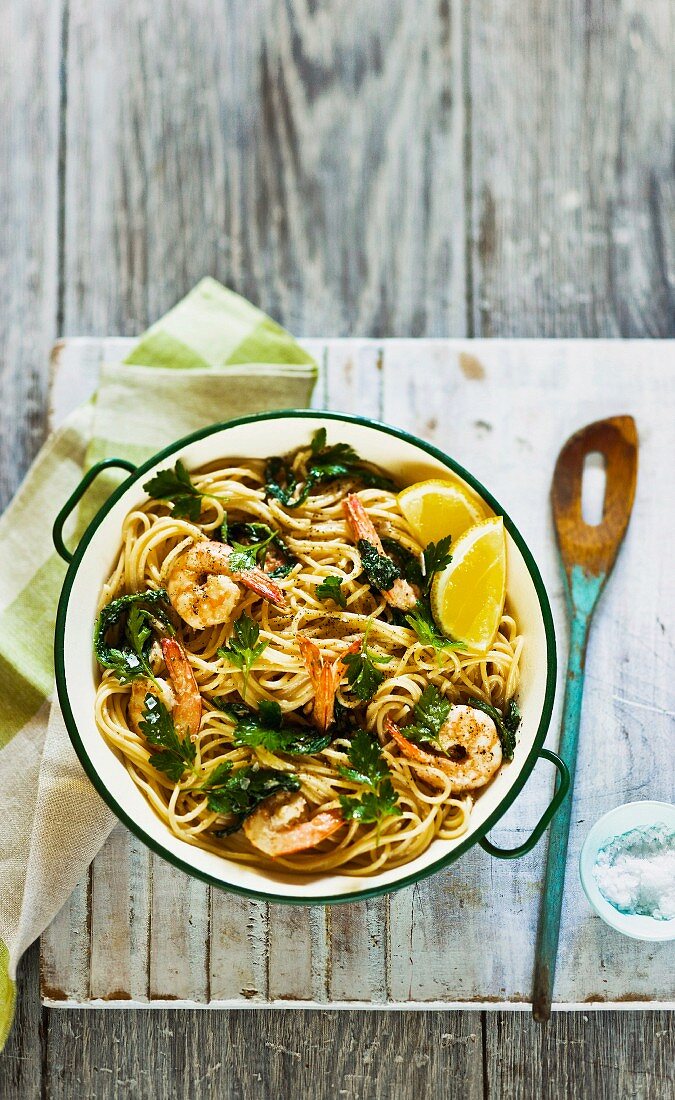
(281, 825)
(472, 748)
(181, 697)
(204, 590)
(401, 594)
(325, 676)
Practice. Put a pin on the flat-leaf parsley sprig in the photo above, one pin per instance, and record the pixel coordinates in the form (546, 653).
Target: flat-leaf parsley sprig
(177, 754)
(142, 613)
(363, 676)
(241, 792)
(368, 767)
(324, 464)
(245, 647)
(177, 487)
(265, 728)
(430, 713)
(259, 542)
(331, 589)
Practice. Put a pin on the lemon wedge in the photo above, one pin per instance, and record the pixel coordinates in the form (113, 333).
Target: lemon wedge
(467, 597)
(438, 508)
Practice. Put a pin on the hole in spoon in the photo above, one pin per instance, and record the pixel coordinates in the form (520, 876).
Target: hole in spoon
(593, 485)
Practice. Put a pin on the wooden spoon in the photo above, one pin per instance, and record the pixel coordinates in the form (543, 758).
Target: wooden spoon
(588, 554)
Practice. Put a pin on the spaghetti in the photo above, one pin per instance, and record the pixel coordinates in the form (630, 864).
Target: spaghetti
(303, 699)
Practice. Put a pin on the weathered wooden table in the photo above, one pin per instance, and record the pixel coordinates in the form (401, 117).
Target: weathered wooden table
(438, 168)
(138, 932)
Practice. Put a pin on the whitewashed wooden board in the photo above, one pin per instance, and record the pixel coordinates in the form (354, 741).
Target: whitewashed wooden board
(138, 932)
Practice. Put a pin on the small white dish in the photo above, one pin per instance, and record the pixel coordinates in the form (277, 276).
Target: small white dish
(632, 815)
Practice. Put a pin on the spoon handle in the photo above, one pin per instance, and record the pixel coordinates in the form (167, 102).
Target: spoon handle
(554, 882)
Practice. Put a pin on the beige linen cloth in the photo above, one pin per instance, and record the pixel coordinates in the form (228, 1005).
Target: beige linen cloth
(214, 357)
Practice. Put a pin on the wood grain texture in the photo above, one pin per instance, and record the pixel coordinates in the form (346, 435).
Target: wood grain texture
(496, 404)
(263, 1055)
(570, 141)
(303, 156)
(308, 158)
(626, 1056)
(29, 131)
(29, 93)
(594, 546)
(21, 1061)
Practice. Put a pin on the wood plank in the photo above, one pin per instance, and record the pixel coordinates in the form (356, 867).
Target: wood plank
(238, 948)
(21, 1059)
(29, 92)
(603, 1056)
(358, 932)
(473, 419)
(179, 935)
(413, 947)
(121, 879)
(262, 1054)
(258, 143)
(64, 957)
(297, 953)
(30, 33)
(571, 123)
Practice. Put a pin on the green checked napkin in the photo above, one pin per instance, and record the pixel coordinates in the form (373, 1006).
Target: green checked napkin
(213, 357)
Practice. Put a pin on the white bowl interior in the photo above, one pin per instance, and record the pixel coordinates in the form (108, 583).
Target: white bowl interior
(632, 815)
(408, 463)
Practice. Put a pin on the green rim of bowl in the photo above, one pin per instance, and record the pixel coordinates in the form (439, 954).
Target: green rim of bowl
(313, 899)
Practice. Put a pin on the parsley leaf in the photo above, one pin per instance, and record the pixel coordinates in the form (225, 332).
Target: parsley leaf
(507, 724)
(422, 622)
(138, 628)
(372, 806)
(178, 753)
(430, 712)
(341, 460)
(245, 557)
(319, 440)
(240, 794)
(217, 777)
(362, 676)
(379, 569)
(177, 488)
(331, 589)
(254, 543)
(324, 464)
(264, 728)
(436, 557)
(143, 611)
(281, 483)
(270, 713)
(244, 648)
(368, 767)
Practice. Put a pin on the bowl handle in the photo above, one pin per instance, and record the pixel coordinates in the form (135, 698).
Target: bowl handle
(75, 498)
(561, 789)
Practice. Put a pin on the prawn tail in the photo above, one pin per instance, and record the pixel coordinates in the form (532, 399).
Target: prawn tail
(407, 747)
(259, 582)
(325, 677)
(187, 712)
(360, 522)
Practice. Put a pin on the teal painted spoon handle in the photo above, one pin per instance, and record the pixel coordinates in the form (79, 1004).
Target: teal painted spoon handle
(587, 553)
(554, 882)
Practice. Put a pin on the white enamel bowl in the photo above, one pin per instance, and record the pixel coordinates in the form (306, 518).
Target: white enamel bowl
(632, 815)
(408, 460)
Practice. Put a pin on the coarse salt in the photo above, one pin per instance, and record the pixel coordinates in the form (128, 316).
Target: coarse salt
(635, 872)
